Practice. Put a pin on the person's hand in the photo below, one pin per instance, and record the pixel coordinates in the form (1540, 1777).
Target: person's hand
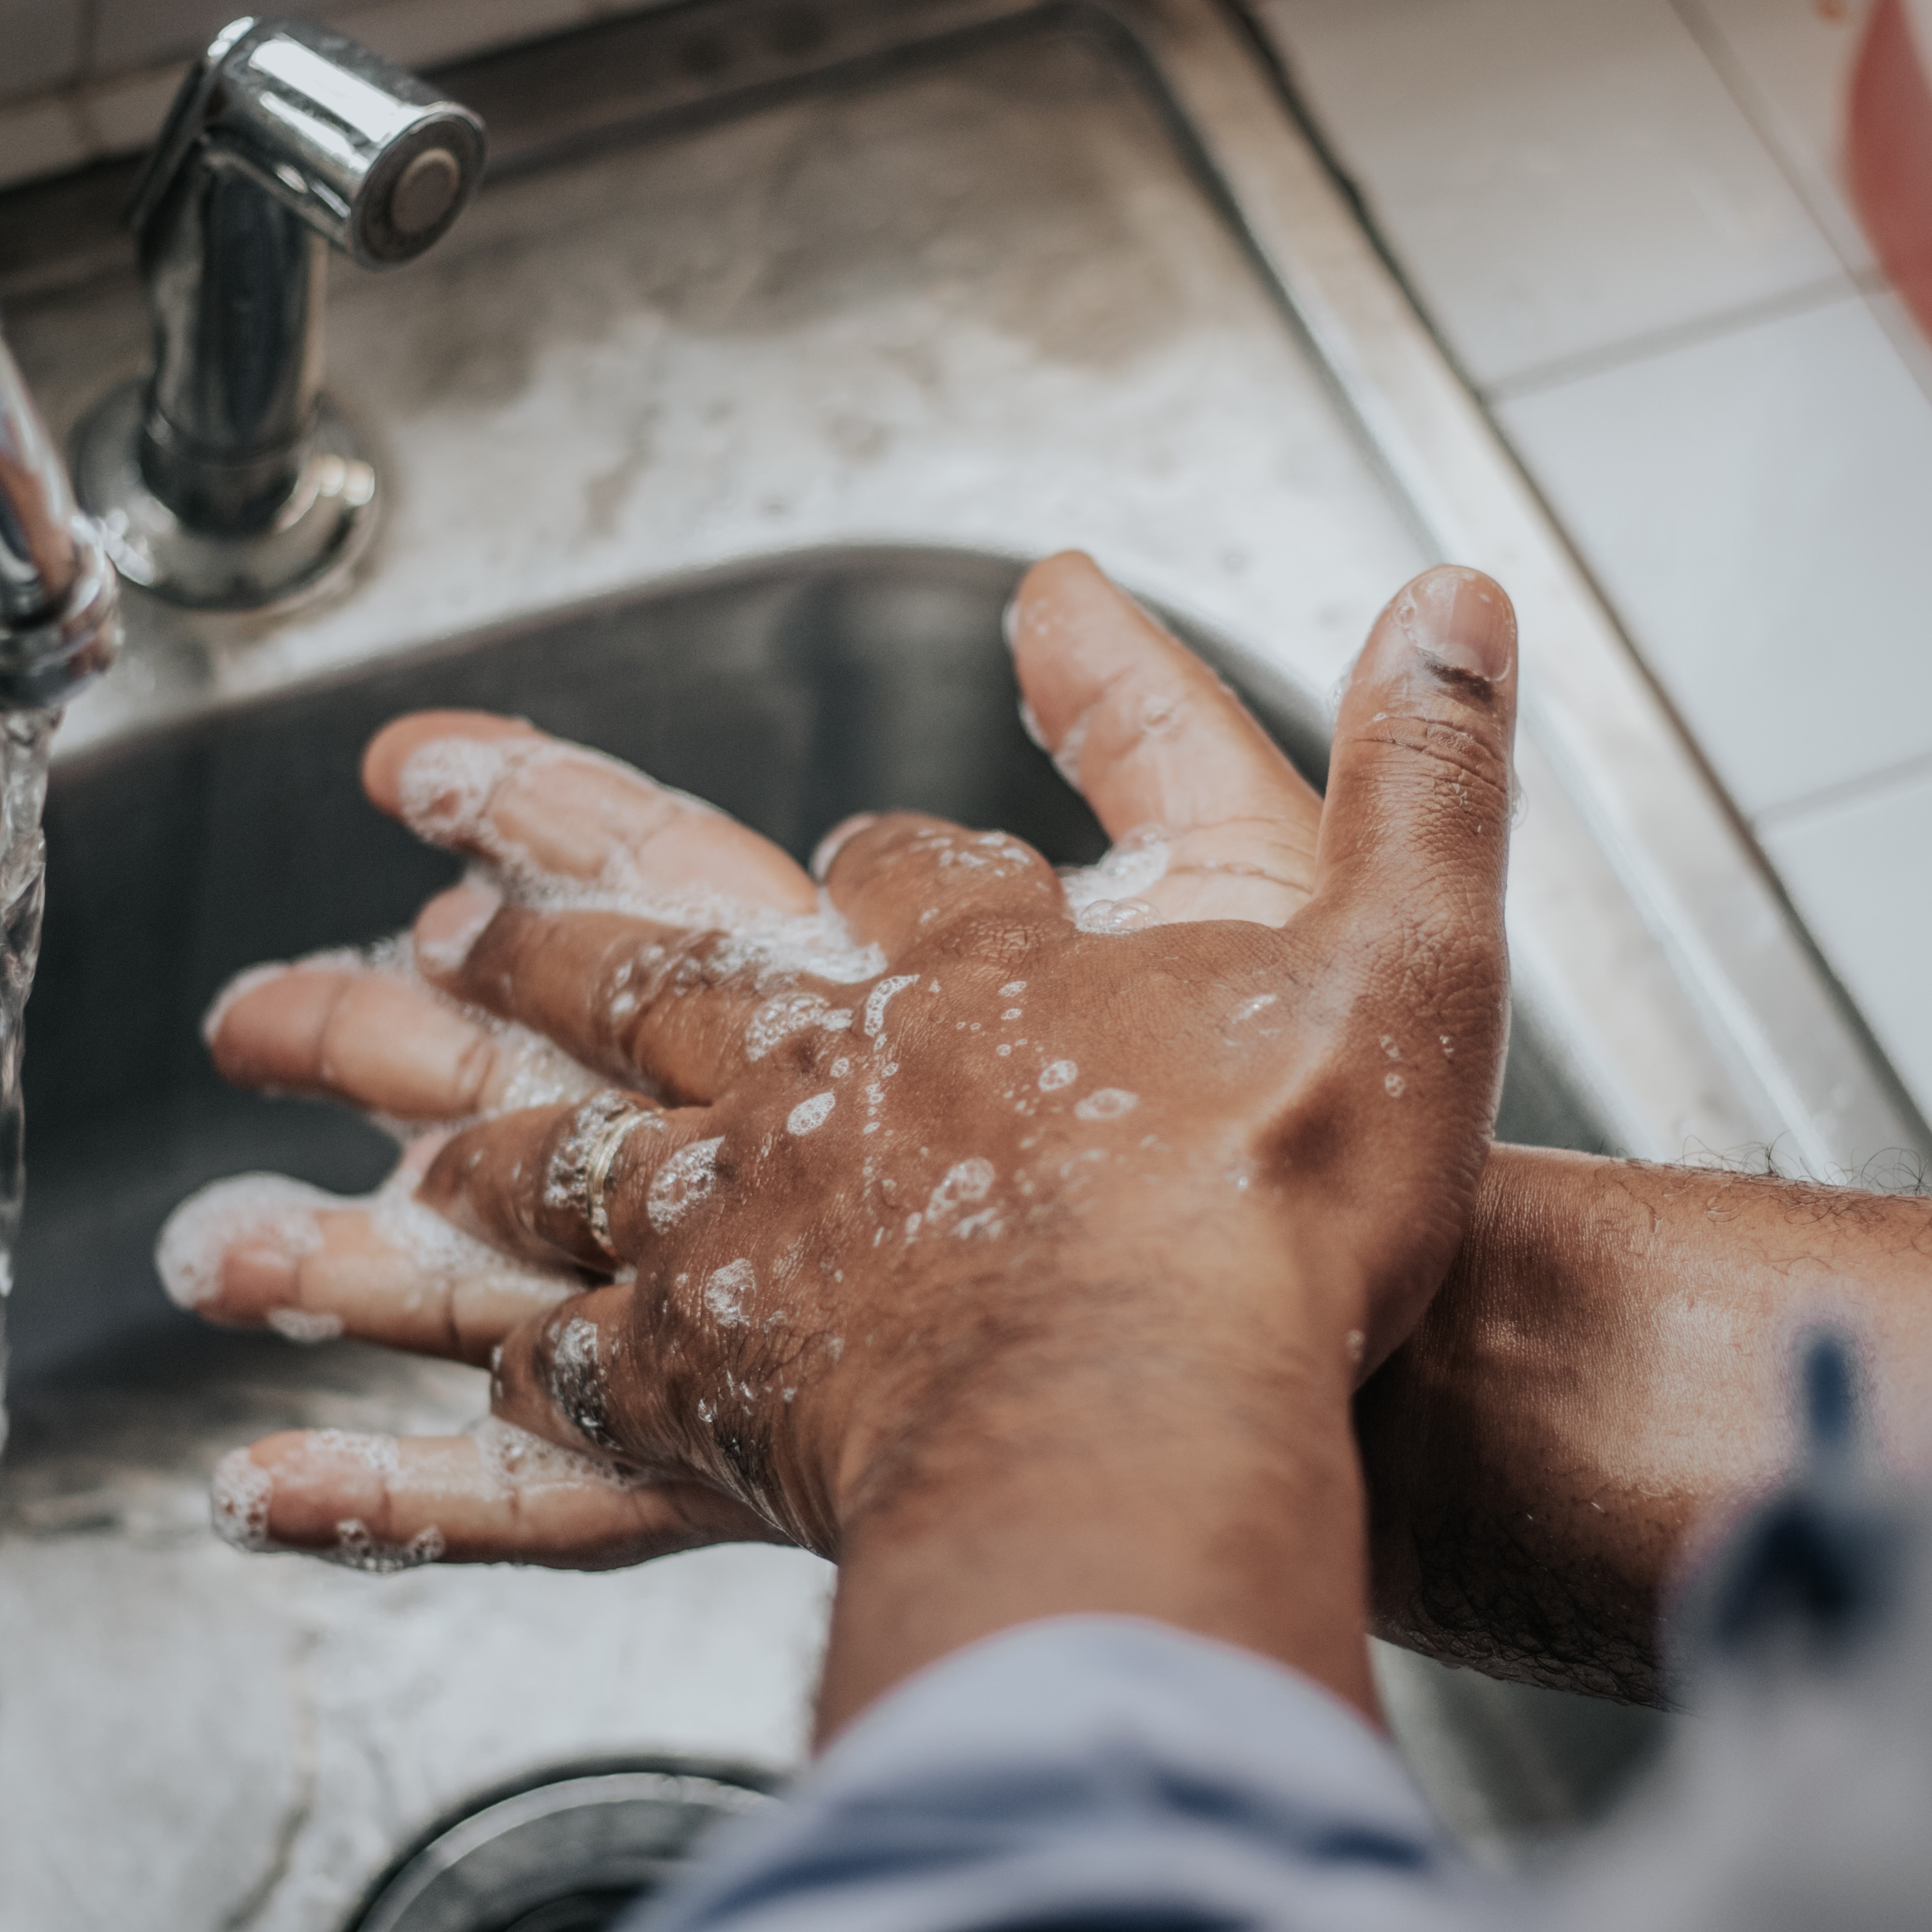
(1007, 1183)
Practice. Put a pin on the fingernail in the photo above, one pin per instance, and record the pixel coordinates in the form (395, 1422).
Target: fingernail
(830, 845)
(1460, 620)
(237, 989)
(452, 922)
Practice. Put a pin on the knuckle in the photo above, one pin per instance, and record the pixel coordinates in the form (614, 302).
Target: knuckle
(997, 939)
(1457, 749)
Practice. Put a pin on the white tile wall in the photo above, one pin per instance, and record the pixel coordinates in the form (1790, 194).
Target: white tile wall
(1759, 505)
(1627, 217)
(1789, 62)
(1856, 871)
(1559, 175)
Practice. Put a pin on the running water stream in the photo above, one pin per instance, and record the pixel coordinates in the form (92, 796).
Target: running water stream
(24, 738)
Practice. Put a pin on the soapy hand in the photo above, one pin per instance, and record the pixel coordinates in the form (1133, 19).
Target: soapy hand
(769, 1202)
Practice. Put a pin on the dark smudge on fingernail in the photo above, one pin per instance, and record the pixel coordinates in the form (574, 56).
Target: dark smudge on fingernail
(1460, 620)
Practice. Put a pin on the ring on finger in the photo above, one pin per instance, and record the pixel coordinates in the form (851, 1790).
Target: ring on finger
(587, 1160)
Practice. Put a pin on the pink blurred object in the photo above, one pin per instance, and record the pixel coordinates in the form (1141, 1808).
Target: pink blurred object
(1890, 146)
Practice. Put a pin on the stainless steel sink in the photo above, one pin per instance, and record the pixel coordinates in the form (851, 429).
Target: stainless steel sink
(781, 333)
(791, 691)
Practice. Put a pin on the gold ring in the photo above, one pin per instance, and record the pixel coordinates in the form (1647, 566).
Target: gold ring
(599, 1157)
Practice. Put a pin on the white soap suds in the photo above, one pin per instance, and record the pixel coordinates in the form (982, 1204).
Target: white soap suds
(1012, 989)
(355, 1549)
(305, 1325)
(1395, 1085)
(446, 789)
(381, 1453)
(1056, 1074)
(1135, 866)
(514, 1459)
(577, 1378)
(239, 1496)
(446, 951)
(881, 997)
(809, 1116)
(727, 1291)
(443, 1252)
(965, 1183)
(1066, 756)
(785, 1014)
(681, 1182)
(1116, 916)
(1106, 1103)
(264, 1207)
(567, 1175)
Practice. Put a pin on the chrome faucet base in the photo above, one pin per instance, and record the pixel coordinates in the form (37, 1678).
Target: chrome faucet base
(224, 481)
(323, 525)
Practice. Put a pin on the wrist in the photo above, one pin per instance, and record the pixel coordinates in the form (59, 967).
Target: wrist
(1182, 1454)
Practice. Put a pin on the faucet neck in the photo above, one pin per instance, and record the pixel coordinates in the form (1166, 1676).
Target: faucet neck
(235, 282)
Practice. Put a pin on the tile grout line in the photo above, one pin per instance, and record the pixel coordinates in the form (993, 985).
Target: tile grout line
(1829, 213)
(1806, 298)
(1842, 791)
(1750, 103)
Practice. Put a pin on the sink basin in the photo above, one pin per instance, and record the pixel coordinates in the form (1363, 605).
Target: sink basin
(792, 691)
(715, 435)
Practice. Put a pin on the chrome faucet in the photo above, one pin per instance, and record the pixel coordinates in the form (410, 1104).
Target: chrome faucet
(59, 603)
(225, 480)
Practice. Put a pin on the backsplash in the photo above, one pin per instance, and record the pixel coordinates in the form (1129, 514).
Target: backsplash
(81, 80)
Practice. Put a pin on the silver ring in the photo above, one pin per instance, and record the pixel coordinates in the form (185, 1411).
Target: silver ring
(599, 1157)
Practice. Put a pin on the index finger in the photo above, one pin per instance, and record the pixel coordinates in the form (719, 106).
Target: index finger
(540, 807)
(1149, 736)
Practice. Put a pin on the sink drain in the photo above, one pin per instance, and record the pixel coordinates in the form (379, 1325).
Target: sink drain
(567, 1853)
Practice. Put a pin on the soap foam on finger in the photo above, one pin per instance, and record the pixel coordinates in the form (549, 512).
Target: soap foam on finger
(198, 1235)
(240, 1494)
(536, 1071)
(446, 791)
(1132, 867)
(515, 1462)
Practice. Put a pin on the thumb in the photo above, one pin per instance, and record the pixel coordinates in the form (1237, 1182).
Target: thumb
(1407, 924)
(1417, 819)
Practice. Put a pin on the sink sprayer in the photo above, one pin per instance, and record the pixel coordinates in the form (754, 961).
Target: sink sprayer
(60, 627)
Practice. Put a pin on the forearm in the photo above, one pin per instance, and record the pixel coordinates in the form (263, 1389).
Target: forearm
(1137, 1469)
(1604, 1374)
